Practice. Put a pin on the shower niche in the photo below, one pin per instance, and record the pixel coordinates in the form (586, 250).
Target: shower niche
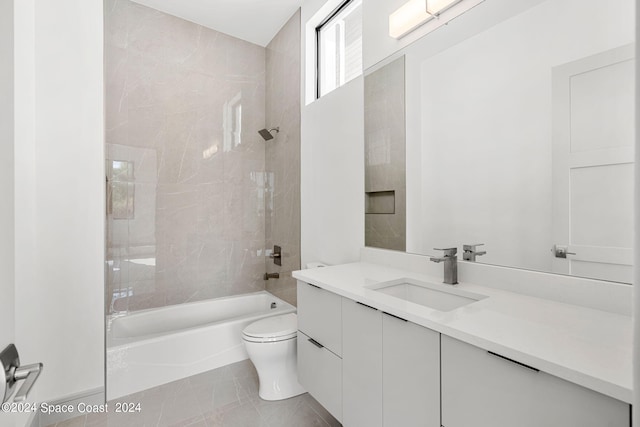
(380, 202)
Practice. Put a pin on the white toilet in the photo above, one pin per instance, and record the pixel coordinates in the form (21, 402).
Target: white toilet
(271, 344)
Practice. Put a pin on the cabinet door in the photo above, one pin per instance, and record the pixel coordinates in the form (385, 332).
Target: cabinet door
(480, 389)
(410, 374)
(320, 316)
(361, 365)
(320, 373)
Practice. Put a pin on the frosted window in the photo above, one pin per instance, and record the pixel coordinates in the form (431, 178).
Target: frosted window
(340, 47)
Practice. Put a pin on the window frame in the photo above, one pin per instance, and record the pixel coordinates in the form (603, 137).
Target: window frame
(335, 12)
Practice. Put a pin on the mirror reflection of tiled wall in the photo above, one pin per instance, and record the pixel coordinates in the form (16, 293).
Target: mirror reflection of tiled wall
(385, 170)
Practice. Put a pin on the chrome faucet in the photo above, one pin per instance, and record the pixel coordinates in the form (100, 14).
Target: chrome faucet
(450, 260)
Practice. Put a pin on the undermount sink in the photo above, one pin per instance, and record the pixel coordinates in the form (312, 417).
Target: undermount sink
(427, 294)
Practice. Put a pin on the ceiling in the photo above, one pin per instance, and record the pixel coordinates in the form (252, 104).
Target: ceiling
(256, 21)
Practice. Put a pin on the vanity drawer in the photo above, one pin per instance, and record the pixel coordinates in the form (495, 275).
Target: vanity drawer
(484, 389)
(320, 316)
(320, 373)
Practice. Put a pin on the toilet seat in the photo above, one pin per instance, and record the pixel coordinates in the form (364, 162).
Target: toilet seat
(272, 329)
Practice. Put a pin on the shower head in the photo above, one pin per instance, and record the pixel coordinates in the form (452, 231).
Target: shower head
(266, 134)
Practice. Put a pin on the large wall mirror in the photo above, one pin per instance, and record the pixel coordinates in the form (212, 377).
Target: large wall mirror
(520, 137)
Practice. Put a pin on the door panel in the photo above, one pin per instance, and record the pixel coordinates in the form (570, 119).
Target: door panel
(602, 107)
(602, 205)
(593, 148)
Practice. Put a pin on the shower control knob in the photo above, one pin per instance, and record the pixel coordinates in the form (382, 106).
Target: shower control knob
(276, 255)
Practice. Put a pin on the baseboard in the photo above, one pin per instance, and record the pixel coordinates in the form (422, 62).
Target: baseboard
(89, 397)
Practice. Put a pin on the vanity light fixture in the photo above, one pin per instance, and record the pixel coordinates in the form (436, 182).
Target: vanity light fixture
(414, 13)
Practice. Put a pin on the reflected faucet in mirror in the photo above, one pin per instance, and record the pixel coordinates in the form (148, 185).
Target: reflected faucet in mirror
(450, 260)
(470, 253)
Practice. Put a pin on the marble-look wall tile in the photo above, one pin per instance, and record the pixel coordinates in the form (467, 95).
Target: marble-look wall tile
(183, 104)
(283, 156)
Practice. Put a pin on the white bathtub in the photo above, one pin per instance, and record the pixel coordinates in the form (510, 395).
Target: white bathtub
(152, 347)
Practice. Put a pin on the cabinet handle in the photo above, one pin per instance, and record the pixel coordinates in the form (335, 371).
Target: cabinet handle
(393, 315)
(368, 306)
(314, 286)
(316, 343)
(513, 361)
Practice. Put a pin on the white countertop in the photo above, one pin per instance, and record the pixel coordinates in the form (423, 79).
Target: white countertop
(588, 347)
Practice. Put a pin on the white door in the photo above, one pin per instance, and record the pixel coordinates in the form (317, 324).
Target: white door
(7, 330)
(7, 336)
(7, 184)
(593, 137)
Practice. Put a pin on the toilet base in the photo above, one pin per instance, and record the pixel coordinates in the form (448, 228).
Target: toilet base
(277, 389)
(277, 367)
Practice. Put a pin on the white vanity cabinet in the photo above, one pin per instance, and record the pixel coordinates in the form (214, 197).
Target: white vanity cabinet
(370, 368)
(410, 374)
(361, 365)
(320, 346)
(482, 389)
(391, 370)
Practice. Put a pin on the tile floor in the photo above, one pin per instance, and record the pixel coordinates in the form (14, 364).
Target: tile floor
(226, 396)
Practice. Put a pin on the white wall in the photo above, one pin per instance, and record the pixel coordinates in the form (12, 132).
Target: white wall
(24, 174)
(6, 174)
(59, 193)
(332, 167)
(332, 188)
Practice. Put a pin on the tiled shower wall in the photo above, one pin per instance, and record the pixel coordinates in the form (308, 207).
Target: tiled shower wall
(186, 166)
(283, 156)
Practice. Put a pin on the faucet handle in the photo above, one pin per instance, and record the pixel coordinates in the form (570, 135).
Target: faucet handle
(470, 252)
(448, 251)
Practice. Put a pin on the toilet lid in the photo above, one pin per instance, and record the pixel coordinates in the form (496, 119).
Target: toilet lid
(282, 327)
